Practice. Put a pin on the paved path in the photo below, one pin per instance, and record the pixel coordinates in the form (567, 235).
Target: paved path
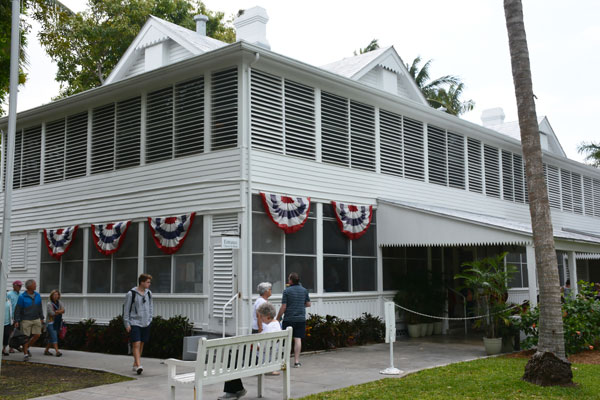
(319, 372)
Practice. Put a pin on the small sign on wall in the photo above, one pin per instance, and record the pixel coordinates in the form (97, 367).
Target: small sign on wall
(230, 242)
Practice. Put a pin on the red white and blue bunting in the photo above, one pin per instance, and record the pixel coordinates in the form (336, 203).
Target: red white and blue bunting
(169, 233)
(288, 213)
(59, 240)
(109, 237)
(353, 220)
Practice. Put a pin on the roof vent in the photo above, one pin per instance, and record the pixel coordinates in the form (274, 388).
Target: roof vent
(492, 116)
(201, 24)
(251, 27)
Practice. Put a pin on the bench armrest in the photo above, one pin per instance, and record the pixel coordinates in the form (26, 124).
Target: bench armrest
(180, 363)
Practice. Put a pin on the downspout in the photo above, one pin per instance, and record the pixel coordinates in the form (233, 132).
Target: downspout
(249, 188)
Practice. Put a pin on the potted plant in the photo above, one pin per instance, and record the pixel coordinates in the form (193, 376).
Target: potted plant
(488, 280)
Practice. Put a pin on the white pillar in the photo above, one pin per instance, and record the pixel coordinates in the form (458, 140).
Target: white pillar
(531, 275)
(573, 272)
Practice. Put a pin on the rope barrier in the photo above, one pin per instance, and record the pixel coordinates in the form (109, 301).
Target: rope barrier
(456, 318)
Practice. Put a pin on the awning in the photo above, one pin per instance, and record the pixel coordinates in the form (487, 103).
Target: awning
(410, 224)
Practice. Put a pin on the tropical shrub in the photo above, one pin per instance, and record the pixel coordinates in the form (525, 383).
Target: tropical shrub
(581, 321)
(330, 332)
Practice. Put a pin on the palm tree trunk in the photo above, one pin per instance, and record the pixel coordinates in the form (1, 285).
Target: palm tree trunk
(550, 355)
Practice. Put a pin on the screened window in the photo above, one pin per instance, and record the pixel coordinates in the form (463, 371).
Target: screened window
(276, 254)
(181, 272)
(348, 265)
(116, 273)
(400, 263)
(519, 260)
(65, 275)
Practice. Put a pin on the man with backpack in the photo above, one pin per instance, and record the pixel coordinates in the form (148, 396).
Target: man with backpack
(137, 316)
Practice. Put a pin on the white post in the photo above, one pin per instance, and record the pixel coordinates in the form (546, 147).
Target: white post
(531, 275)
(15, 43)
(573, 273)
(390, 336)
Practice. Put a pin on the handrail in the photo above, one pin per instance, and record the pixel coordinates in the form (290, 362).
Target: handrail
(464, 304)
(235, 297)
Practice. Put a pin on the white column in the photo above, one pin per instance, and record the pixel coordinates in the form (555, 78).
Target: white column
(319, 249)
(85, 274)
(573, 272)
(531, 275)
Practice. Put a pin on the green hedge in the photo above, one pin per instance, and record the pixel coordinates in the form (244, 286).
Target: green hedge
(330, 332)
(166, 337)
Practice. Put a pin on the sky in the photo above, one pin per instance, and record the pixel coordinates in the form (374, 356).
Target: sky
(466, 38)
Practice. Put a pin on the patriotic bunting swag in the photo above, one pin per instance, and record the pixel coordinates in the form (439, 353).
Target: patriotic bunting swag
(169, 233)
(353, 220)
(109, 237)
(288, 213)
(58, 241)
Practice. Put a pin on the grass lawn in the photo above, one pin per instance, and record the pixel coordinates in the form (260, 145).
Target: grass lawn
(21, 380)
(490, 378)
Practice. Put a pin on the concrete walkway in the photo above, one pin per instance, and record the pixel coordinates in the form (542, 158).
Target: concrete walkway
(319, 372)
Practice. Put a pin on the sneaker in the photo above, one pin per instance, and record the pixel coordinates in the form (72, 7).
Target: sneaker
(58, 354)
(134, 368)
(47, 353)
(26, 357)
(28, 353)
(297, 365)
(231, 396)
(241, 393)
(139, 370)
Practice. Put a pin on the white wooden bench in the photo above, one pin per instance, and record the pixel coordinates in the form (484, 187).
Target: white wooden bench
(221, 360)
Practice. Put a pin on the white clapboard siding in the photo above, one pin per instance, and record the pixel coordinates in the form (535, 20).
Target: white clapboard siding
(225, 224)
(177, 52)
(137, 67)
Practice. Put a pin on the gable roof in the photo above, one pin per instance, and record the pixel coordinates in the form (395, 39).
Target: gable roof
(357, 66)
(157, 30)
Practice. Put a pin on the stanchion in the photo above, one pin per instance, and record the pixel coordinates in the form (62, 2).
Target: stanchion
(390, 337)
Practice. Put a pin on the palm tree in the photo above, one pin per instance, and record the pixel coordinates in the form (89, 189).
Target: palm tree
(441, 93)
(548, 366)
(592, 153)
(370, 47)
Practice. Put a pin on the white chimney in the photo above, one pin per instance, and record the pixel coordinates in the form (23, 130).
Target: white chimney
(201, 24)
(492, 116)
(251, 27)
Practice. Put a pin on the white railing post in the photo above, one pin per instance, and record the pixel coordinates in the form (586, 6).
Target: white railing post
(237, 295)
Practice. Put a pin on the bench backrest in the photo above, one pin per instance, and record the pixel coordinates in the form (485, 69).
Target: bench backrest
(237, 356)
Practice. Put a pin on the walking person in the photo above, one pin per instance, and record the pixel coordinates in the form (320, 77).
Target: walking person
(13, 296)
(54, 313)
(293, 308)
(29, 315)
(234, 389)
(137, 316)
(7, 326)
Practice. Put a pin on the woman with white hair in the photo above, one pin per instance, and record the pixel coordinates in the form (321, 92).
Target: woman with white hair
(264, 292)
(235, 389)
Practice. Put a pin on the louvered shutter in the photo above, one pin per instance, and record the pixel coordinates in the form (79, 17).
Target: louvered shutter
(54, 157)
(436, 151)
(300, 138)
(189, 117)
(224, 109)
(76, 146)
(596, 191)
(414, 164)
(103, 139)
(362, 136)
(475, 165)
(222, 263)
(334, 129)
(553, 182)
(588, 196)
(507, 176)
(159, 125)
(129, 118)
(577, 193)
(31, 161)
(390, 132)
(18, 248)
(519, 179)
(492, 171)
(567, 190)
(17, 159)
(267, 111)
(456, 160)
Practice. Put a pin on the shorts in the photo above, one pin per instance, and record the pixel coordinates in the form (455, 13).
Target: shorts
(52, 333)
(31, 327)
(298, 328)
(139, 334)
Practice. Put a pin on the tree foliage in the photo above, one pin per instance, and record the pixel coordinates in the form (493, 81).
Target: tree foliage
(444, 92)
(373, 45)
(591, 151)
(87, 45)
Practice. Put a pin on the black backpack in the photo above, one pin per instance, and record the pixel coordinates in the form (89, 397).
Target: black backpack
(133, 294)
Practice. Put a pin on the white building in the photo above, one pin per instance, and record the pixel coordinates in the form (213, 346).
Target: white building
(186, 123)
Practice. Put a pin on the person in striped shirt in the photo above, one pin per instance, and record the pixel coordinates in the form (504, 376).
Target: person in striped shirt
(293, 308)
